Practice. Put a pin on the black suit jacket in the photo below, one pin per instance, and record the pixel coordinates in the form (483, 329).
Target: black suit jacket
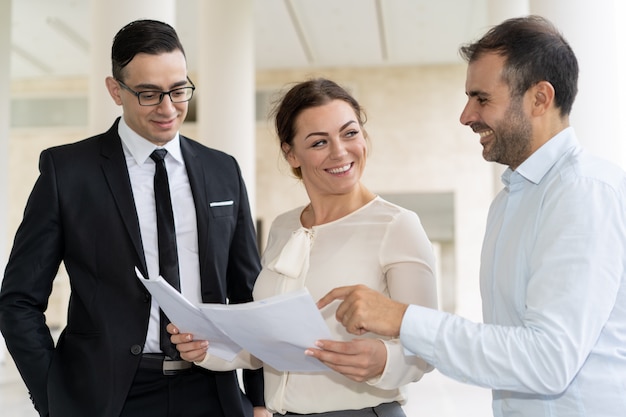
(81, 211)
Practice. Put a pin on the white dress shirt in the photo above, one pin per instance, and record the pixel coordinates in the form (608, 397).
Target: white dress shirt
(141, 169)
(554, 293)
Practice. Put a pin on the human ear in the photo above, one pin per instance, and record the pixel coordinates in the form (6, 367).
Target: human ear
(114, 90)
(289, 156)
(543, 97)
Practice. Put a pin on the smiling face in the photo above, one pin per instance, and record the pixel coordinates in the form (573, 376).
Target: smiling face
(162, 72)
(330, 149)
(504, 126)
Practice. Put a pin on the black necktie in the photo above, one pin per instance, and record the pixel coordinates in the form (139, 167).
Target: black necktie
(168, 256)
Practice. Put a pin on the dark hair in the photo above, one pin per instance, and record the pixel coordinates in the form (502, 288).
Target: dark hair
(534, 51)
(304, 95)
(142, 36)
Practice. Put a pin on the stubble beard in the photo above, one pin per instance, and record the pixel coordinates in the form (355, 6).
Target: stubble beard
(512, 138)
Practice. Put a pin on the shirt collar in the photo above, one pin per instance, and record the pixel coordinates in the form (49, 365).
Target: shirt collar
(141, 148)
(537, 165)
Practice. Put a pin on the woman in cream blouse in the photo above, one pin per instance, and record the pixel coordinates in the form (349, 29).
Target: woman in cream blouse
(346, 235)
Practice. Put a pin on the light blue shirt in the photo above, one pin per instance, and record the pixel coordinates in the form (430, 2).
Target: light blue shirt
(553, 273)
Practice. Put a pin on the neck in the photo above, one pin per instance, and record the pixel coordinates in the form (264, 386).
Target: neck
(549, 127)
(327, 208)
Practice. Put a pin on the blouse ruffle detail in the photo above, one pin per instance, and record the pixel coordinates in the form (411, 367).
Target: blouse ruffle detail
(295, 254)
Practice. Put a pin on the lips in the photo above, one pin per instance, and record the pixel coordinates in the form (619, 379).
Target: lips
(167, 124)
(485, 135)
(340, 170)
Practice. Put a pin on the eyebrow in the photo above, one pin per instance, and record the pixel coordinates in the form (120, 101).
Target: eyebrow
(475, 93)
(154, 87)
(326, 133)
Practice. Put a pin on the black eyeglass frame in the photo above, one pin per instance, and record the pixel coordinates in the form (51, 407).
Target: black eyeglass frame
(160, 93)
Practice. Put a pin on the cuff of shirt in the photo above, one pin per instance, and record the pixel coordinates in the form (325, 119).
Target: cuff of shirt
(419, 329)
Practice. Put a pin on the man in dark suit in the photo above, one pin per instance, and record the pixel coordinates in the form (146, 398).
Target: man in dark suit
(93, 208)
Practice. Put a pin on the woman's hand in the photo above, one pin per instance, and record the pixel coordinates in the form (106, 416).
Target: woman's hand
(261, 412)
(358, 359)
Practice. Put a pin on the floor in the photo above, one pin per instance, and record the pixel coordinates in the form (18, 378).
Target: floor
(434, 396)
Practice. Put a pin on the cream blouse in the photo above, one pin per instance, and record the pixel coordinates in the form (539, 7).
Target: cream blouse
(379, 245)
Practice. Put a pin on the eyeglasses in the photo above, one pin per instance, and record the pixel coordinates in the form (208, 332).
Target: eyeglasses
(154, 98)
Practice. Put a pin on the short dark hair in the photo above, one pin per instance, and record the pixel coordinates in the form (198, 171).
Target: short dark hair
(304, 95)
(534, 51)
(142, 36)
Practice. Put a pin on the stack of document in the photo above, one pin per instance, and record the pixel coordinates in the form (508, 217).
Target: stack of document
(277, 330)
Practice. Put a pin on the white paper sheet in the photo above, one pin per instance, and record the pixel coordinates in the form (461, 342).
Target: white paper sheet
(276, 330)
(188, 317)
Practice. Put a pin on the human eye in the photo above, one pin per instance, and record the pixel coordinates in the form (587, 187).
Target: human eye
(318, 143)
(179, 93)
(352, 133)
(149, 95)
(481, 99)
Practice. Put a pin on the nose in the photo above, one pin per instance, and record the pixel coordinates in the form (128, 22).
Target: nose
(468, 115)
(337, 149)
(166, 104)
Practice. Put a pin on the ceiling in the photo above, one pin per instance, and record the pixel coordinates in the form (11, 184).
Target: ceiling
(51, 38)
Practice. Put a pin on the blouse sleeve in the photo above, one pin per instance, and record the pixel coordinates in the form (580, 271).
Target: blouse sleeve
(243, 360)
(409, 264)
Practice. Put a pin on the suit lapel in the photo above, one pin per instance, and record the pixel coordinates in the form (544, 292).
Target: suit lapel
(116, 172)
(199, 182)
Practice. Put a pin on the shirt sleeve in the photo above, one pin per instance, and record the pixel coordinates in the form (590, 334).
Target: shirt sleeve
(574, 270)
(409, 265)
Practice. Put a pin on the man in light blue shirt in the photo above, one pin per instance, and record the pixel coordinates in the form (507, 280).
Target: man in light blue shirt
(553, 264)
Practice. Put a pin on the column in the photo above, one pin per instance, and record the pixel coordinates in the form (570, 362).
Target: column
(5, 100)
(226, 84)
(447, 276)
(107, 18)
(592, 30)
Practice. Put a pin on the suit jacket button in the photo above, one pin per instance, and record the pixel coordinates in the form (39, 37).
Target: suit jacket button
(135, 350)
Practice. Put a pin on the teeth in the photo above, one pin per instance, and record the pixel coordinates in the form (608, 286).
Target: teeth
(340, 170)
(485, 133)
